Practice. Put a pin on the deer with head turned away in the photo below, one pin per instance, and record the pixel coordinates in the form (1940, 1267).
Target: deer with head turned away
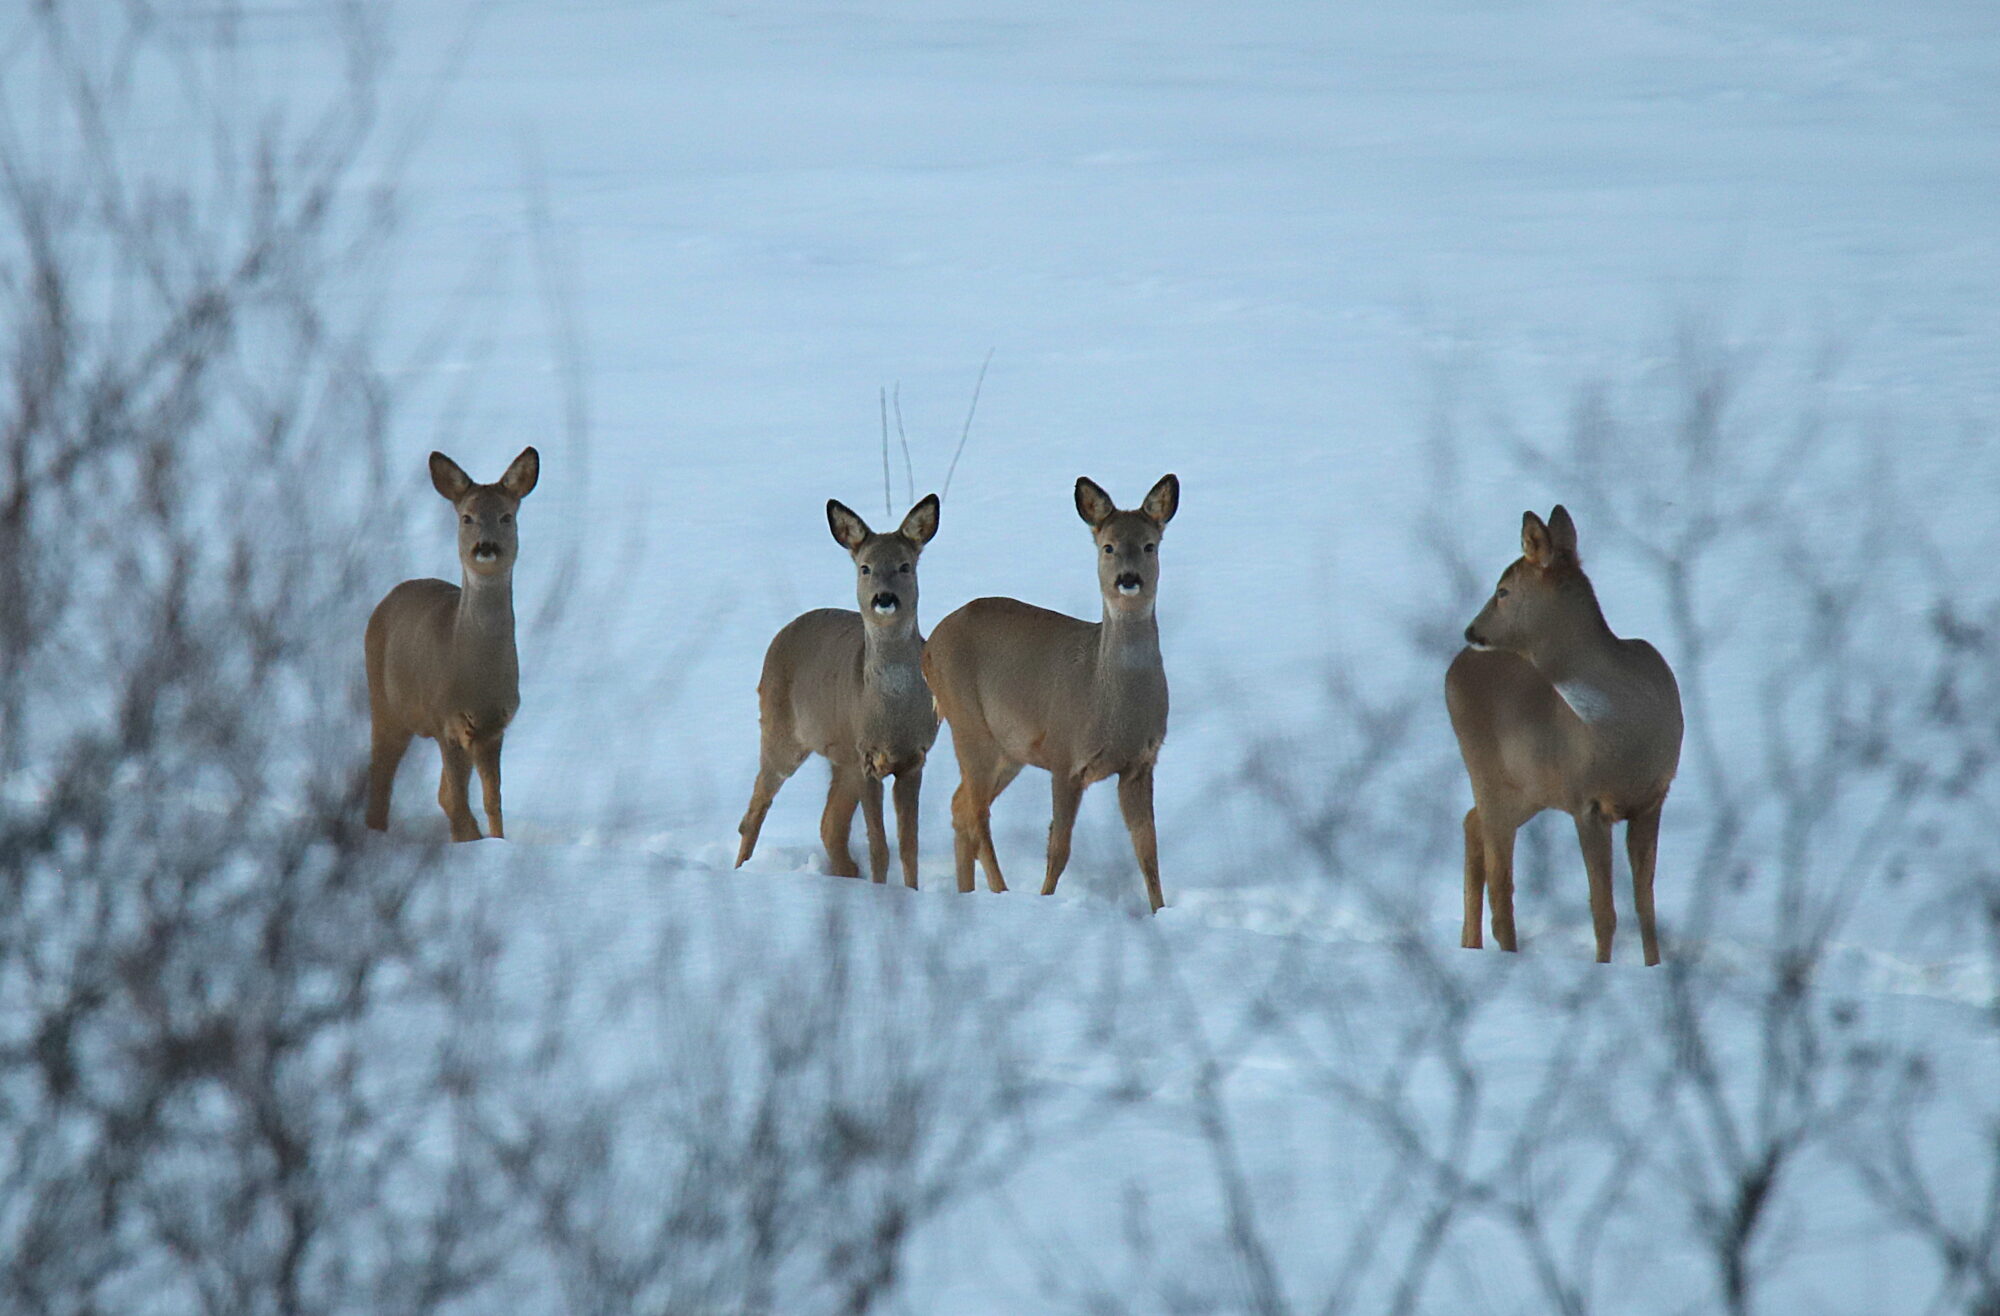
(1553, 711)
(441, 660)
(846, 685)
(1083, 700)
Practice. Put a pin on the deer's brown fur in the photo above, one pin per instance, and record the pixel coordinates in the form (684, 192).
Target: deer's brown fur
(441, 659)
(846, 685)
(1554, 711)
(1021, 685)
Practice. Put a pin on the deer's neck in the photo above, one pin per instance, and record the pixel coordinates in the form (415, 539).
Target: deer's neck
(1128, 648)
(889, 656)
(485, 609)
(1588, 666)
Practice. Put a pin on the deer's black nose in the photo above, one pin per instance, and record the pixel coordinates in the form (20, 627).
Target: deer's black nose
(885, 602)
(1128, 582)
(1472, 638)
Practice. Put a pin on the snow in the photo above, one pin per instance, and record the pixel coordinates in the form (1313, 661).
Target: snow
(1257, 245)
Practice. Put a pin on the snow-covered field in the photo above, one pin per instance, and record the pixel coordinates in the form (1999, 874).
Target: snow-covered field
(1345, 272)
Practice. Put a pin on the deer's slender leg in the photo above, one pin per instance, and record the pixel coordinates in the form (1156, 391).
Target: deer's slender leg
(453, 779)
(779, 763)
(909, 783)
(1003, 776)
(1593, 833)
(1135, 799)
(878, 835)
(486, 758)
(843, 793)
(1066, 793)
(385, 755)
(976, 764)
(1642, 847)
(1498, 835)
(1471, 934)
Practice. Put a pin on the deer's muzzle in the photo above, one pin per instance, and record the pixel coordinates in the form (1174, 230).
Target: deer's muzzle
(1128, 582)
(885, 603)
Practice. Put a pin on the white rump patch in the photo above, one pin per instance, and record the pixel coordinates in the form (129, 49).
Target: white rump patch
(1586, 701)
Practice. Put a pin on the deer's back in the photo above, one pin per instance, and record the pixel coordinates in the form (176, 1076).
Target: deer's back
(1023, 676)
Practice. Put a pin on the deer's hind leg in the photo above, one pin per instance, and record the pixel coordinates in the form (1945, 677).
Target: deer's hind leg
(983, 772)
(1642, 847)
(385, 754)
(779, 760)
(1471, 935)
(1496, 834)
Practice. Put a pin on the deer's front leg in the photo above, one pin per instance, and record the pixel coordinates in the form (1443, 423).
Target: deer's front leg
(454, 777)
(486, 757)
(909, 782)
(878, 833)
(1135, 800)
(1065, 793)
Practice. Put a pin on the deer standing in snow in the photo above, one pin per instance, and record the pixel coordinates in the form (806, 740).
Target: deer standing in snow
(1553, 711)
(1083, 700)
(441, 661)
(846, 685)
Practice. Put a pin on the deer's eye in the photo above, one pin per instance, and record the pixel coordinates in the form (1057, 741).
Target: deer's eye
(1108, 550)
(465, 519)
(905, 568)
(506, 518)
(866, 570)
(1151, 547)
(1500, 593)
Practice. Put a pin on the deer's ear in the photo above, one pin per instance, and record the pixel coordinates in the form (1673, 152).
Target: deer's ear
(1092, 503)
(1536, 546)
(848, 529)
(922, 521)
(448, 479)
(1562, 532)
(1163, 499)
(522, 474)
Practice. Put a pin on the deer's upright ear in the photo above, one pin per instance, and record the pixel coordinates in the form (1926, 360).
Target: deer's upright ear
(1163, 499)
(921, 522)
(1092, 503)
(522, 473)
(1536, 546)
(448, 479)
(848, 529)
(1562, 533)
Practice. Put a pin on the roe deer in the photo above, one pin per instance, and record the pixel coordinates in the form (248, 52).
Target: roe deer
(441, 660)
(846, 685)
(1084, 700)
(1553, 711)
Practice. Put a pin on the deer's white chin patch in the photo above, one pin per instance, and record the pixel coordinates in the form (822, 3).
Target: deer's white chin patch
(885, 609)
(1129, 591)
